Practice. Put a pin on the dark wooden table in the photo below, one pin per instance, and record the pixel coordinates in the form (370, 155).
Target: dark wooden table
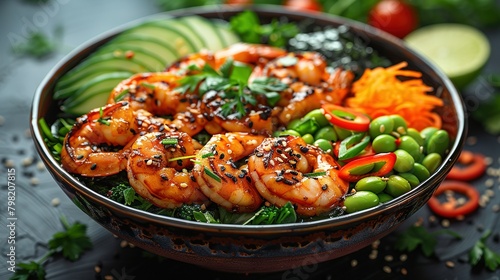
(40, 202)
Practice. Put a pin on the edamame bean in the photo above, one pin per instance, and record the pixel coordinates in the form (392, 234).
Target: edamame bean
(384, 197)
(308, 138)
(381, 125)
(318, 116)
(438, 142)
(327, 133)
(400, 125)
(413, 133)
(323, 144)
(404, 161)
(384, 143)
(286, 132)
(427, 132)
(360, 200)
(397, 185)
(342, 133)
(420, 171)
(432, 161)
(411, 178)
(409, 144)
(374, 184)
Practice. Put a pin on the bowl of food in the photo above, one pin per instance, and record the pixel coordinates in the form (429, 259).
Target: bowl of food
(199, 139)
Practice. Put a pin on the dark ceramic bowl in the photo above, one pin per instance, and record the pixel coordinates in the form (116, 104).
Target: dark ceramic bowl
(236, 248)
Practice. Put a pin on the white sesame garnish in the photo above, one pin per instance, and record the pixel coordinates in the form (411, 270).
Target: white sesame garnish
(55, 202)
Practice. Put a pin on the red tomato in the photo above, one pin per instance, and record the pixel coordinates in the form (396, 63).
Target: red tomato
(394, 17)
(303, 5)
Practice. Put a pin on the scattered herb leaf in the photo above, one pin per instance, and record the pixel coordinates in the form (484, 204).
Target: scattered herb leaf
(480, 251)
(416, 236)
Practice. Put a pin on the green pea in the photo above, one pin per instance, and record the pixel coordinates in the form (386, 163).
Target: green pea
(409, 144)
(304, 126)
(327, 133)
(397, 185)
(413, 133)
(286, 132)
(374, 184)
(400, 125)
(420, 171)
(318, 116)
(361, 200)
(384, 143)
(323, 144)
(404, 161)
(411, 178)
(381, 125)
(342, 133)
(432, 161)
(438, 142)
(384, 197)
(308, 138)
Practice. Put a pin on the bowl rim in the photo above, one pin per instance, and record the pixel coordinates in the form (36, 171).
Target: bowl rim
(87, 47)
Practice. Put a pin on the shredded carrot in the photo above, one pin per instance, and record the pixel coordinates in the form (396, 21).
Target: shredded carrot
(379, 91)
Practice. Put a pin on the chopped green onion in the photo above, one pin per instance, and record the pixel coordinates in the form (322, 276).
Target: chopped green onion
(148, 85)
(170, 141)
(181, 158)
(212, 175)
(315, 174)
(45, 129)
(207, 155)
(121, 95)
(101, 119)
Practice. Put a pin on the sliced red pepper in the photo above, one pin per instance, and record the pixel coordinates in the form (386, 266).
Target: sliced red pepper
(451, 207)
(470, 166)
(349, 172)
(353, 146)
(346, 118)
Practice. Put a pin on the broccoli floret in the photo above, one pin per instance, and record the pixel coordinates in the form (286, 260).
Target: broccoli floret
(186, 211)
(117, 193)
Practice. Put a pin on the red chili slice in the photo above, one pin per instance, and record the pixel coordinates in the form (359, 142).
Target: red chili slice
(346, 118)
(451, 208)
(347, 172)
(471, 166)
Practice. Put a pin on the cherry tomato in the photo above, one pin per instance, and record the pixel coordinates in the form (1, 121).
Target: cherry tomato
(393, 16)
(303, 5)
(453, 207)
(470, 166)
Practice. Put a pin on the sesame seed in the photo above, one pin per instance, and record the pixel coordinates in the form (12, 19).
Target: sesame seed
(403, 257)
(445, 223)
(149, 162)
(450, 264)
(354, 263)
(184, 185)
(40, 166)
(55, 202)
(387, 269)
(34, 181)
(388, 258)
(404, 271)
(230, 151)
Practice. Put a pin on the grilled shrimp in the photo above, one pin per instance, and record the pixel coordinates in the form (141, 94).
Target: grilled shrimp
(310, 82)
(219, 176)
(157, 169)
(283, 170)
(96, 144)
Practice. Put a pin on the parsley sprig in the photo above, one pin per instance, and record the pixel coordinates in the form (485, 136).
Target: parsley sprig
(480, 251)
(417, 236)
(231, 83)
(72, 242)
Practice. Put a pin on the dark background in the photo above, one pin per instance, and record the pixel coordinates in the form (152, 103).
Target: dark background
(40, 202)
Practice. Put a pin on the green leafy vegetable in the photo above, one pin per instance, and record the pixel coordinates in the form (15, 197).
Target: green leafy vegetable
(29, 271)
(102, 120)
(248, 26)
(274, 215)
(231, 81)
(54, 135)
(416, 236)
(480, 251)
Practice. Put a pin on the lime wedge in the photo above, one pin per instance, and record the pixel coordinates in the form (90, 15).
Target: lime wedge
(460, 51)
